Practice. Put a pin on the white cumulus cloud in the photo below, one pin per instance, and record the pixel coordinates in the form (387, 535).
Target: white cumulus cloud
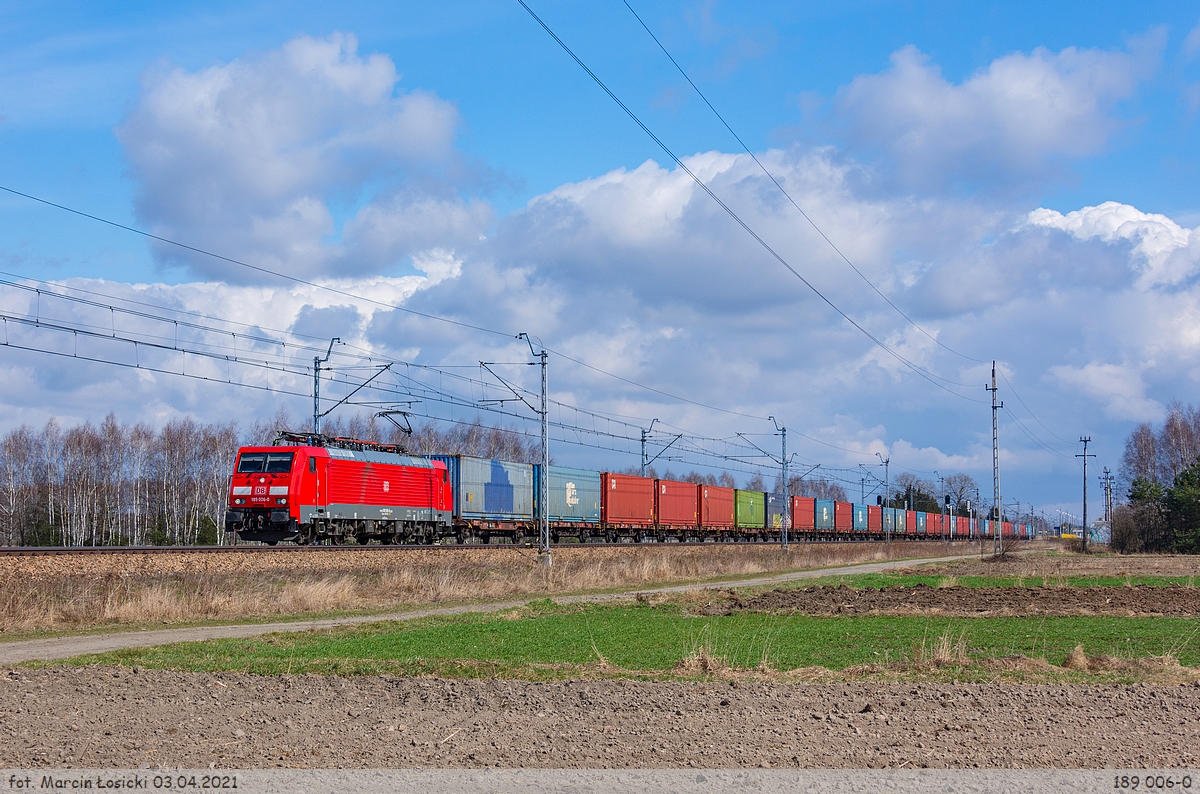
(257, 159)
(1007, 122)
(1167, 253)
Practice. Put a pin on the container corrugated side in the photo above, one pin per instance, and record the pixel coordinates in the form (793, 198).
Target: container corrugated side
(824, 513)
(901, 520)
(775, 503)
(874, 518)
(574, 494)
(889, 519)
(716, 506)
(490, 489)
(676, 504)
(922, 523)
(626, 501)
(749, 509)
(843, 516)
(803, 513)
(860, 518)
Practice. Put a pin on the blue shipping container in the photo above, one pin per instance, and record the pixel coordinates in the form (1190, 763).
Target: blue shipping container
(860, 518)
(889, 519)
(574, 494)
(490, 489)
(775, 503)
(824, 510)
(922, 523)
(901, 520)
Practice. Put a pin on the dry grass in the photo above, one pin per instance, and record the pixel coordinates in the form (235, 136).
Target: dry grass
(944, 651)
(76, 591)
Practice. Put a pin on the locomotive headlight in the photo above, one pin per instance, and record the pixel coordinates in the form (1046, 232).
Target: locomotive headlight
(281, 501)
(239, 501)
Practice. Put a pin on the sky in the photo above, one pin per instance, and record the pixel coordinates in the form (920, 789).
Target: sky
(928, 187)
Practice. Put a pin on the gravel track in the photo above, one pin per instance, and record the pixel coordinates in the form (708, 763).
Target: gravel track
(114, 717)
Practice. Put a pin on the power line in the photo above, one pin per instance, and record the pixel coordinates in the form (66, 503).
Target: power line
(1031, 413)
(929, 376)
(353, 296)
(777, 184)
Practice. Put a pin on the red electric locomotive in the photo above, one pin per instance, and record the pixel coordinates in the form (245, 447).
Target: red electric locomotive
(311, 489)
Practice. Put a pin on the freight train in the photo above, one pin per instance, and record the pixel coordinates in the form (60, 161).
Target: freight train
(313, 489)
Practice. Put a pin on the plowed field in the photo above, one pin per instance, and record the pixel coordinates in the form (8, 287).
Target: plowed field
(973, 601)
(113, 717)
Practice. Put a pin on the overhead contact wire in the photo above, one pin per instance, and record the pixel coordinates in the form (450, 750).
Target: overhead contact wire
(787, 195)
(737, 218)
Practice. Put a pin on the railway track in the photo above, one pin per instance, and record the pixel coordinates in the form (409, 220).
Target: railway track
(34, 551)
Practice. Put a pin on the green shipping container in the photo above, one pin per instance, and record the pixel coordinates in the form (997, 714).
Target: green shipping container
(750, 509)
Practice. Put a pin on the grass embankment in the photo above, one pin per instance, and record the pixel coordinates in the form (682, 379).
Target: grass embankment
(545, 641)
(41, 596)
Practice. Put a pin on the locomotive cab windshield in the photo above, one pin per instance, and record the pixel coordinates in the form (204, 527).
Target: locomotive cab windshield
(265, 463)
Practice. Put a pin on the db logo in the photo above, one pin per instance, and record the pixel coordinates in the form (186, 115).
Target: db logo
(386, 486)
(260, 490)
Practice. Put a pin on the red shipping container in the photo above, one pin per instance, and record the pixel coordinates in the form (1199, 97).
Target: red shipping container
(1006, 531)
(910, 522)
(874, 518)
(716, 506)
(804, 513)
(964, 526)
(843, 516)
(676, 504)
(626, 500)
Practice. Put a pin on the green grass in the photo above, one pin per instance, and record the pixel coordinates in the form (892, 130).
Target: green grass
(548, 641)
(880, 580)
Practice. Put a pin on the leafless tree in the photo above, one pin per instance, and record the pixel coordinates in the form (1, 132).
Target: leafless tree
(1140, 460)
(960, 488)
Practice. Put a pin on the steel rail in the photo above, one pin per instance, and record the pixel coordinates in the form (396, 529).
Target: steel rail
(35, 551)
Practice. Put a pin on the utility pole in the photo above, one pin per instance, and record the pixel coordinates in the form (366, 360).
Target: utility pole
(887, 489)
(645, 434)
(941, 498)
(996, 406)
(317, 362)
(1086, 440)
(543, 516)
(1107, 479)
(786, 501)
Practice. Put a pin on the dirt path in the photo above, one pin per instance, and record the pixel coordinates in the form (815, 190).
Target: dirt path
(64, 647)
(116, 717)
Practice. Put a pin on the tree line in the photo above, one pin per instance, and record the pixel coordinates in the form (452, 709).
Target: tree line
(1160, 472)
(116, 484)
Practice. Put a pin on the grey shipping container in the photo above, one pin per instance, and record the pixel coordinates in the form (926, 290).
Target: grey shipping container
(922, 523)
(490, 489)
(775, 503)
(574, 494)
(889, 519)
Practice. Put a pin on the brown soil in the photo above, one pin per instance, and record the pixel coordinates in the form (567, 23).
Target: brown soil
(971, 601)
(115, 717)
(1048, 569)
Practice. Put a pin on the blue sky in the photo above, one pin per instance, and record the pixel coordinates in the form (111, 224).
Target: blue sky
(921, 137)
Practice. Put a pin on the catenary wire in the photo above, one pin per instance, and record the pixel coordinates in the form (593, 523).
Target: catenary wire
(922, 372)
(787, 195)
(1027, 408)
